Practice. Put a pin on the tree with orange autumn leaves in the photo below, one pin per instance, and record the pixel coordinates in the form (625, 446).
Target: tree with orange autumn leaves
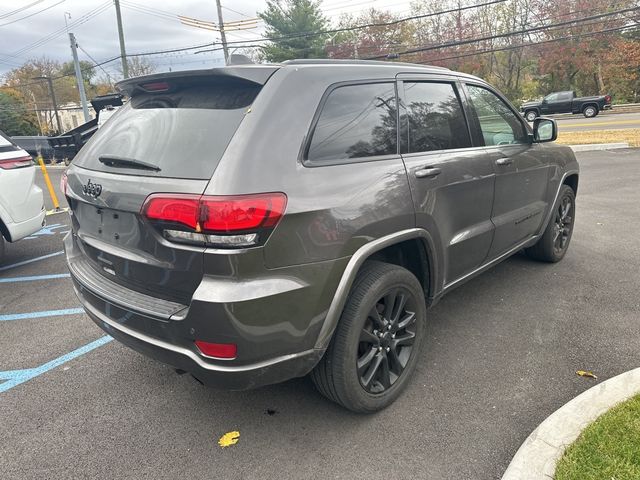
(538, 58)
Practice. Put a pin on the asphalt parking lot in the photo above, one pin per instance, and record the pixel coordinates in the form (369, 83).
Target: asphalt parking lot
(501, 355)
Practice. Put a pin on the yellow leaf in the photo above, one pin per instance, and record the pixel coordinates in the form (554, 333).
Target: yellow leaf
(585, 373)
(229, 438)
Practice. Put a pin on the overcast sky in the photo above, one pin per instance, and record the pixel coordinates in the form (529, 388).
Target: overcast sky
(149, 25)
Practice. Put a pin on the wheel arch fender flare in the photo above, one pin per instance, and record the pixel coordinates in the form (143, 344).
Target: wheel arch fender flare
(357, 260)
(556, 197)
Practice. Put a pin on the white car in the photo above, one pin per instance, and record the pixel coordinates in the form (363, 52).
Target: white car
(21, 202)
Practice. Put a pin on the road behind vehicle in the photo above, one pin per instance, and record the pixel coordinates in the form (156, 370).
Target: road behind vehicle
(21, 201)
(566, 102)
(309, 235)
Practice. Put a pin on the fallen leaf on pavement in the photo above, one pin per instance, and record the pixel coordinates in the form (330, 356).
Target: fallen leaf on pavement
(229, 438)
(586, 373)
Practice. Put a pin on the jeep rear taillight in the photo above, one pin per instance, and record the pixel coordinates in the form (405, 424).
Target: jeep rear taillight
(11, 163)
(607, 99)
(220, 221)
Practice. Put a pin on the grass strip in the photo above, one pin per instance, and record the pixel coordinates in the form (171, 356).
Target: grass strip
(629, 135)
(608, 449)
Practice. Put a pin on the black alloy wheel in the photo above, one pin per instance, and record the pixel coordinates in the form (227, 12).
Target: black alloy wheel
(563, 224)
(386, 340)
(554, 242)
(375, 347)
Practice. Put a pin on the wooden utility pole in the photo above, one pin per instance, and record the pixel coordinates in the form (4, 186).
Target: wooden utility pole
(79, 79)
(123, 53)
(223, 37)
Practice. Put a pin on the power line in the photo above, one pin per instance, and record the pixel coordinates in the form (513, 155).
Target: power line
(32, 14)
(529, 44)
(84, 18)
(385, 24)
(98, 11)
(508, 34)
(21, 9)
(368, 25)
(236, 11)
(96, 64)
(538, 20)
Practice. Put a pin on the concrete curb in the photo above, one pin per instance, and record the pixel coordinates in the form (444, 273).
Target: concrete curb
(598, 146)
(537, 457)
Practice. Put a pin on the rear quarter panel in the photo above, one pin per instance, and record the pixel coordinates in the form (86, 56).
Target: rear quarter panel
(332, 210)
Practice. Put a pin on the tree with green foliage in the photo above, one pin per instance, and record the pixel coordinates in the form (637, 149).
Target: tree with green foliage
(15, 119)
(86, 69)
(287, 21)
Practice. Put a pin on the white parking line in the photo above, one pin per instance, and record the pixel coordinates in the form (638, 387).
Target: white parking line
(19, 264)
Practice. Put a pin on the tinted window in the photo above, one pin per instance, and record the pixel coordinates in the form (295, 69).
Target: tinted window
(435, 117)
(356, 121)
(499, 124)
(184, 131)
(552, 98)
(564, 96)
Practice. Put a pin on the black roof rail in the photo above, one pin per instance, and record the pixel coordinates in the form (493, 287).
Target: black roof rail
(329, 61)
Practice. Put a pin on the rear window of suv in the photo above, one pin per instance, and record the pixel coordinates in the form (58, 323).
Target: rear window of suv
(183, 131)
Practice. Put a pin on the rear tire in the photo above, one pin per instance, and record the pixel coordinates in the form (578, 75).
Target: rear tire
(553, 244)
(376, 345)
(590, 111)
(531, 115)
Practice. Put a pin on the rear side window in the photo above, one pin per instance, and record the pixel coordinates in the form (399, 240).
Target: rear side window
(356, 121)
(434, 117)
(183, 131)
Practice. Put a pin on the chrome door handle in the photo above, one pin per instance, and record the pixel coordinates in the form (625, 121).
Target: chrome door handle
(504, 161)
(428, 172)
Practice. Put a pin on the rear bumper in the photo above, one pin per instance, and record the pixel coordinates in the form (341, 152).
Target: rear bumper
(20, 230)
(608, 107)
(274, 344)
(238, 377)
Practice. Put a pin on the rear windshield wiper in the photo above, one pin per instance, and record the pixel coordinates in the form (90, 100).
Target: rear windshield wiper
(115, 161)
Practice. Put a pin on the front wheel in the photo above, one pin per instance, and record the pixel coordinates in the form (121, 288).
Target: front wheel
(553, 244)
(376, 344)
(590, 111)
(531, 115)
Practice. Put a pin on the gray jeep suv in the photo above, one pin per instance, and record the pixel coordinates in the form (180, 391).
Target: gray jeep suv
(250, 224)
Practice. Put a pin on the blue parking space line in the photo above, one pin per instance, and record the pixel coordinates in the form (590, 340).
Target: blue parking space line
(19, 264)
(47, 313)
(34, 277)
(13, 378)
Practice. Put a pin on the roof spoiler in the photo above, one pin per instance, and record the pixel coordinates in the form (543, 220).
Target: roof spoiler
(258, 74)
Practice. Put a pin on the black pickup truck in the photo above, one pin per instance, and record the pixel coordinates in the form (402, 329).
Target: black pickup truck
(566, 102)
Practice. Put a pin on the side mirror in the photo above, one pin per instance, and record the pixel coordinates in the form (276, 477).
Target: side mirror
(544, 130)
